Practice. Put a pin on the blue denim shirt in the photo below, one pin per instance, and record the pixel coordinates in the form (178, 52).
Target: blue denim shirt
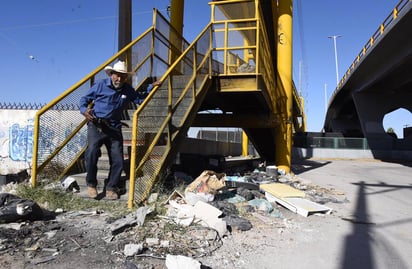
(109, 102)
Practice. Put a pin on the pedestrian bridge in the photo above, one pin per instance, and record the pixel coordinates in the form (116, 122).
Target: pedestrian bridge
(378, 82)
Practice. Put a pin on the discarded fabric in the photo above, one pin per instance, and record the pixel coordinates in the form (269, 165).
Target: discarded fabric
(14, 208)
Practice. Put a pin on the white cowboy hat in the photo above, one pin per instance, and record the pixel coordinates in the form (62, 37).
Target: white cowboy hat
(119, 67)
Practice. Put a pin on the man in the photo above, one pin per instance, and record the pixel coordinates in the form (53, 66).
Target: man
(102, 106)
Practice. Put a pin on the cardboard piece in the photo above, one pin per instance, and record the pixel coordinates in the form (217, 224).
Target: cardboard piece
(281, 190)
(207, 182)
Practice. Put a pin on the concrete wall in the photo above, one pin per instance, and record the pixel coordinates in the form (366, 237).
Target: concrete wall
(16, 140)
(16, 137)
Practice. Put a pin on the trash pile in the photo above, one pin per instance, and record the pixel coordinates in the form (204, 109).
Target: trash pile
(177, 230)
(213, 206)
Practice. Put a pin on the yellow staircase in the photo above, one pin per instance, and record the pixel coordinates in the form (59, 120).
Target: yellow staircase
(229, 70)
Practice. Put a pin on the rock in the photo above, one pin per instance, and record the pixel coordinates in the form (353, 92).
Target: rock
(132, 249)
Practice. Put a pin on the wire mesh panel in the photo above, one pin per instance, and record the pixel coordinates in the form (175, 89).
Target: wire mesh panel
(59, 141)
(60, 136)
(165, 112)
(151, 140)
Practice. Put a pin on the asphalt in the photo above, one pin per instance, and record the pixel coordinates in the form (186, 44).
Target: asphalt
(371, 230)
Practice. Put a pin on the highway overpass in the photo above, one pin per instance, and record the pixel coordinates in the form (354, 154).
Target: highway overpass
(377, 83)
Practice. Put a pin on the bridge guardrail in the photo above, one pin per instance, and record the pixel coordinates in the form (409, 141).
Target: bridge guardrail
(391, 18)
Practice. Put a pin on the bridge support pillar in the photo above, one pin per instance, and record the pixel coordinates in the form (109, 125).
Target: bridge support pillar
(372, 108)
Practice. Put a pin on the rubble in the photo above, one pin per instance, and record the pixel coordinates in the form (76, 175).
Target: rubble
(181, 262)
(195, 225)
(135, 218)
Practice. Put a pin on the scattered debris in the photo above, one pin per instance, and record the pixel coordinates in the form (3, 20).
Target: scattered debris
(181, 262)
(208, 182)
(195, 224)
(135, 218)
(133, 249)
(292, 199)
(69, 184)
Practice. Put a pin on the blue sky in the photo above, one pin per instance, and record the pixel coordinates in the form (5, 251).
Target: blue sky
(48, 45)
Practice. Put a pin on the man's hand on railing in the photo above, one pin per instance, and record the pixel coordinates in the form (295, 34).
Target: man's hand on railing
(157, 83)
(89, 114)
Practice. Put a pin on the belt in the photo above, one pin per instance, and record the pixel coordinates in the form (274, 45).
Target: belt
(107, 123)
(102, 121)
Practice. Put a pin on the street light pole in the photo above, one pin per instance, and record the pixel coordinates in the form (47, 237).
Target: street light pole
(336, 57)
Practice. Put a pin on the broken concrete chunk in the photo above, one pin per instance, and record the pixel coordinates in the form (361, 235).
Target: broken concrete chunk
(182, 214)
(132, 249)
(135, 218)
(152, 242)
(181, 262)
(210, 215)
(206, 211)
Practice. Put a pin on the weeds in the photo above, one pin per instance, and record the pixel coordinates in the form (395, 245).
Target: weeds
(56, 198)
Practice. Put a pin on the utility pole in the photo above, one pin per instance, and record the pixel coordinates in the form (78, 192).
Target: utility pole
(125, 23)
(336, 57)
(125, 29)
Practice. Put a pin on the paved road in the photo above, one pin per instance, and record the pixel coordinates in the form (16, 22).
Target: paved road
(373, 230)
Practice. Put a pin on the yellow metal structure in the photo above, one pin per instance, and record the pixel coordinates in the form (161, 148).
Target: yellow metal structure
(59, 128)
(232, 68)
(284, 63)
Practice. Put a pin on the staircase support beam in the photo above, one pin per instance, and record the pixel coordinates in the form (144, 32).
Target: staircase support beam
(284, 63)
(236, 121)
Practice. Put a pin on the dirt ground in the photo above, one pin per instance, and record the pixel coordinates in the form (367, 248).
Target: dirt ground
(83, 240)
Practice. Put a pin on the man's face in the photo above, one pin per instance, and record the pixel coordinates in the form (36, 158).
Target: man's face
(118, 79)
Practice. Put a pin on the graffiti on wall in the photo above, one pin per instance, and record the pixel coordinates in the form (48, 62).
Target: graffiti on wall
(21, 142)
(16, 138)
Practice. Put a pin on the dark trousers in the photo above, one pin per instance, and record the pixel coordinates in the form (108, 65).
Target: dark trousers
(97, 136)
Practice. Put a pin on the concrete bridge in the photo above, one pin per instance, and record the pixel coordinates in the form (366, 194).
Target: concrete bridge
(378, 82)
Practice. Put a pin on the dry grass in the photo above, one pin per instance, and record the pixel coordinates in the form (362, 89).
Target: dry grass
(53, 198)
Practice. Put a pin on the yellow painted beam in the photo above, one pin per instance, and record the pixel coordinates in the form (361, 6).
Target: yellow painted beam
(245, 144)
(175, 35)
(176, 15)
(284, 63)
